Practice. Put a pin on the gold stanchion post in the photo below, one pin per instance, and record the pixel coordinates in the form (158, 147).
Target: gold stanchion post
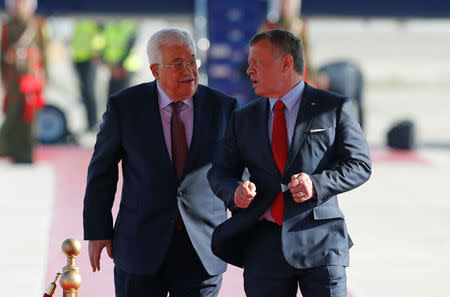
(70, 279)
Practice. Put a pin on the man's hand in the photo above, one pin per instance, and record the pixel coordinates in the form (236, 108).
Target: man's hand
(302, 187)
(95, 250)
(244, 194)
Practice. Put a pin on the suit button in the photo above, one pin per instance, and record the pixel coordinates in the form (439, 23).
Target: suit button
(180, 194)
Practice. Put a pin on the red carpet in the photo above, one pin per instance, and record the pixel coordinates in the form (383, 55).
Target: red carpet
(70, 167)
(386, 155)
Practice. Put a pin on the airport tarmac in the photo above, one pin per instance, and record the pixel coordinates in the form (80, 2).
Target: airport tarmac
(399, 220)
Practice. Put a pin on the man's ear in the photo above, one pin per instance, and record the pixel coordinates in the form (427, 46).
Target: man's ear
(287, 62)
(155, 71)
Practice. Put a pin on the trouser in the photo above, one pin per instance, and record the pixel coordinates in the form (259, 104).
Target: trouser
(16, 136)
(181, 274)
(268, 274)
(116, 85)
(86, 76)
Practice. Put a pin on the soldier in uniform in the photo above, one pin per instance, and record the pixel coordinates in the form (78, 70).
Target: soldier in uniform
(23, 77)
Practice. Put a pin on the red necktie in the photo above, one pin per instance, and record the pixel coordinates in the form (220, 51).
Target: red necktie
(280, 152)
(178, 138)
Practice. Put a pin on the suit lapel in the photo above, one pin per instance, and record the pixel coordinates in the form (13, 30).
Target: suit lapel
(202, 128)
(263, 135)
(302, 124)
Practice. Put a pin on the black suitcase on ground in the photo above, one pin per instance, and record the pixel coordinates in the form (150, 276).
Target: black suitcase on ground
(401, 136)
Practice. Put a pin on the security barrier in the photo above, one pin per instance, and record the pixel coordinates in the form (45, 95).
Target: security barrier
(70, 279)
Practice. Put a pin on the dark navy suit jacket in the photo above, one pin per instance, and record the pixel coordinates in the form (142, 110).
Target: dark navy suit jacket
(132, 132)
(327, 144)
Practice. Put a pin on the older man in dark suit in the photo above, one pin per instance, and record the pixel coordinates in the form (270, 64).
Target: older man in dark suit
(165, 133)
(302, 146)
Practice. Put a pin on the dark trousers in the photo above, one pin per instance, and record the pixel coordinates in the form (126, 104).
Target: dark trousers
(182, 274)
(115, 85)
(16, 136)
(86, 76)
(267, 273)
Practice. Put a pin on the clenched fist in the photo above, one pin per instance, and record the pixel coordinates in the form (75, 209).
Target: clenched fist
(302, 187)
(244, 194)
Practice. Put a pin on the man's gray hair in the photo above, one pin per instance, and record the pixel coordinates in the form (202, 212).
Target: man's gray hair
(9, 4)
(167, 37)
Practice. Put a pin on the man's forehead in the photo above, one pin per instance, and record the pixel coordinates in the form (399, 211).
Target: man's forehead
(263, 48)
(258, 51)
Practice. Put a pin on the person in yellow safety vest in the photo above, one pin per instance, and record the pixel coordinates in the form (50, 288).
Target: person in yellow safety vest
(87, 45)
(120, 37)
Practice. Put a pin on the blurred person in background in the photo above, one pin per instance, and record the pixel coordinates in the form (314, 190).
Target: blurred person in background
(23, 68)
(302, 147)
(342, 77)
(87, 45)
(345, 78)
(120, 37)
(164, 133)
(286, 16)
(289, 19)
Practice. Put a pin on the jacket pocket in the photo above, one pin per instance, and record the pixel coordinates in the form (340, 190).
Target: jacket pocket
(319, 130)
(326, 213)
(320, 138)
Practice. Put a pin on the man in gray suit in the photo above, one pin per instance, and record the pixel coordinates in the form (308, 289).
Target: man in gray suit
(302, 146)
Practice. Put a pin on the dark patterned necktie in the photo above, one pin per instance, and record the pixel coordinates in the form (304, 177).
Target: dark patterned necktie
(178, 138)
(280, 152)
(179, 146)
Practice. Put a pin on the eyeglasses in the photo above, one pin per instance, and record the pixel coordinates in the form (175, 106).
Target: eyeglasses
(181, 66)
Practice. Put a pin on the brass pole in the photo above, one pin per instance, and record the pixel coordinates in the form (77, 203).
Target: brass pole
(70, 279)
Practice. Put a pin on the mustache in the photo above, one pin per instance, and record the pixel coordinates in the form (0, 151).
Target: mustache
(189, 77)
